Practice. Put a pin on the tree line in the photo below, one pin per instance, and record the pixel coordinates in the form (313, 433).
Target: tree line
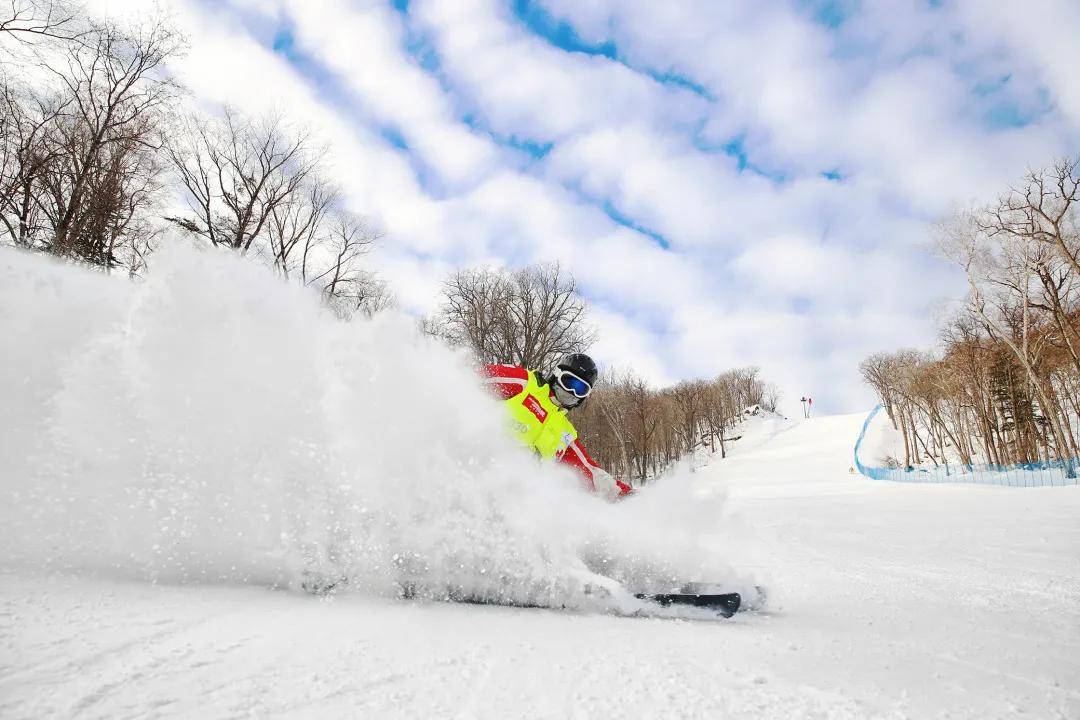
(1004, 388)
(100, 154)
(637, 432)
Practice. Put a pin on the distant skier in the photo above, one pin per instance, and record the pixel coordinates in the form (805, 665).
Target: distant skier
(538, 404)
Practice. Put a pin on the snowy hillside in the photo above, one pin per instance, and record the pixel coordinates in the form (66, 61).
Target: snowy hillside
(184, 452)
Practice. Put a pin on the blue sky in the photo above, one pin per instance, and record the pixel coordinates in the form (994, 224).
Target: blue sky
(731, 183)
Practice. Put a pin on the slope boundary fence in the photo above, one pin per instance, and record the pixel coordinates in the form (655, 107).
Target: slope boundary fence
(1041, 474)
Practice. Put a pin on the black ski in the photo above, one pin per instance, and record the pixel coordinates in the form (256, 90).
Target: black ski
(727, 604)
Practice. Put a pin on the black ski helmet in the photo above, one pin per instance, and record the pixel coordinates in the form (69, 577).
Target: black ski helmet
(581, 365)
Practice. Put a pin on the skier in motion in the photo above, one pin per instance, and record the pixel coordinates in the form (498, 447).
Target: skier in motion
(538, 404)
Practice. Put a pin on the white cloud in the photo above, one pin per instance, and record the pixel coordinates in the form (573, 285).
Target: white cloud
(770, 264)
(1041, 33)
(362, 44)
(625, 344)
(523, 86)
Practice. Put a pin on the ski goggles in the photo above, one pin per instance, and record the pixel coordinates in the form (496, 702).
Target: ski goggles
(571, 383)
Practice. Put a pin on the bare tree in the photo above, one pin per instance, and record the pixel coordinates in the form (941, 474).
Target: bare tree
(644, 419)
(345, 284)
(688, 398)
(24, 155)
(238, 174)
(297, 225)
(257, 187)
(26, 20)
(81, 168)
(529, 317)
(473, 313)
(1043, 210)
(111, 126)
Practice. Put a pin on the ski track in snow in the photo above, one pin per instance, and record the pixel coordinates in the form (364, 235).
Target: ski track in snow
(886, 600)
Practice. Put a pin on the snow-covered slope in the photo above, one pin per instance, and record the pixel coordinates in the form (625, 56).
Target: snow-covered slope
(887, 600)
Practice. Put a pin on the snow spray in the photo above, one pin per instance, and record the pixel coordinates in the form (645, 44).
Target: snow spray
(212, 423)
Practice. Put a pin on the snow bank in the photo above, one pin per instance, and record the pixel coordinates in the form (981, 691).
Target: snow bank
(213, 424)
(882, 444)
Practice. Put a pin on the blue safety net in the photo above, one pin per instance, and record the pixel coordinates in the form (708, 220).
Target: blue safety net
(1038, 474)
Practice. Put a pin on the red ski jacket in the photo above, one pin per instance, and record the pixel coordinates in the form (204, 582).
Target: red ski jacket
(509, 381)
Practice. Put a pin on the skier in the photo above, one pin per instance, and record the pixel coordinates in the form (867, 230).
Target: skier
(538, 404)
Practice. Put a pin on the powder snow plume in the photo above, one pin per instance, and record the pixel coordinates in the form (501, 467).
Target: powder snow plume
(213, 424)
